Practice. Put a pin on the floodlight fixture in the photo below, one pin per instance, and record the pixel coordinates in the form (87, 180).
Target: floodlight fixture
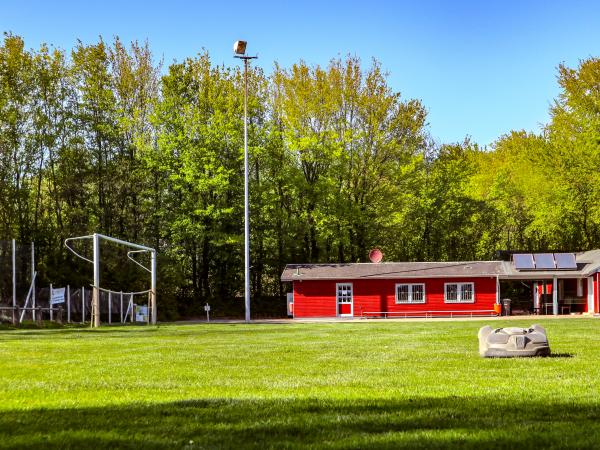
(239, 47)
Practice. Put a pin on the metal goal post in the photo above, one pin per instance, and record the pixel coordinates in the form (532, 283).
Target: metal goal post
(137, 248)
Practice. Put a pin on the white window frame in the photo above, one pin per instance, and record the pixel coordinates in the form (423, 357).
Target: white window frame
(410, 300)
(459, 291)
(337, 299)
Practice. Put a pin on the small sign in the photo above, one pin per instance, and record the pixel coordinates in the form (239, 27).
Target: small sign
(207, 307)
(141, 313)
(57, 296)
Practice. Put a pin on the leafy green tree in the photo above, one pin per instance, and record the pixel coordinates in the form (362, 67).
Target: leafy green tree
(17, 155)
(574, 155)
(198, 156)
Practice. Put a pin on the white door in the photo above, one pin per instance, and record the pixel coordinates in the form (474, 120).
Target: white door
(345, 306)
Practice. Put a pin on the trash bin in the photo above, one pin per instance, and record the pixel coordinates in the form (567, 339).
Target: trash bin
(498, 309)
(506, 306)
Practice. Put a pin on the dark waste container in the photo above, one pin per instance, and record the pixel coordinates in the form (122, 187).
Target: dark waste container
(506, 306)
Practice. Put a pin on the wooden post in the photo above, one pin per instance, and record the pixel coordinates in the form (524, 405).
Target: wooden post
(40, 316)
(109, 307)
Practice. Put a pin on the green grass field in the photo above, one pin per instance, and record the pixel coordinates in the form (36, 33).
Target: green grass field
(370, 384)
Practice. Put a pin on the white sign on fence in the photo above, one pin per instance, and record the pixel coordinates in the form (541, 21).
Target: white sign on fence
(141, 313)
(57, 296)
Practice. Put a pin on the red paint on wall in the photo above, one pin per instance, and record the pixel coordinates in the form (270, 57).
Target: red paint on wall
(345, 308)
(317, 298)
(314, 299)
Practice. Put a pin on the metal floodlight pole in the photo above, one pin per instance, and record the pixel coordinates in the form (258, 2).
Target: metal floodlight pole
(246, 201)
(240, 49)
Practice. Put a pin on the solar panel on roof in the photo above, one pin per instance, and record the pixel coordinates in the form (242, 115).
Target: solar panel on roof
(523, 261)
(544, 261)
(565, 260)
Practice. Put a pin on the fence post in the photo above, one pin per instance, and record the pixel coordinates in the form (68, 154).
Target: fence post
(109, 307)
(83, 304)
(121, 306)
(132, 307)
(50, 304)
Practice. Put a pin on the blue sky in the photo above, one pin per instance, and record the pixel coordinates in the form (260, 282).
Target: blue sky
(481, 68)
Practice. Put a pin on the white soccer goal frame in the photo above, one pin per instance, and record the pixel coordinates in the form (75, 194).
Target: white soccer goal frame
(96, 237)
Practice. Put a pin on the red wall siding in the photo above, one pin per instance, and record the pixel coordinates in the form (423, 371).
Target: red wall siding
(314, 299)
(317, 298)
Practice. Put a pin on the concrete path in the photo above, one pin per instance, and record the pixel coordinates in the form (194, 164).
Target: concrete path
(530, 318)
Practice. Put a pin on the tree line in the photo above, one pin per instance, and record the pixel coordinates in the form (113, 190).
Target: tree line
(105, 139)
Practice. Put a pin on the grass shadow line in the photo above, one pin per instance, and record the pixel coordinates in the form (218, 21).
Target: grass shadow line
(430, 422)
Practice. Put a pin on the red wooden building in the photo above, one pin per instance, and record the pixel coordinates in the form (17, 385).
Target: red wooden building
(557, 283)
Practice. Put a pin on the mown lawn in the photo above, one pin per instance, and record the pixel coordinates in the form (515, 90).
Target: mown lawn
(371, 384)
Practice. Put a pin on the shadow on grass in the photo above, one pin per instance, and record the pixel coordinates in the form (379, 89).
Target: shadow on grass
(560, 355)
(226, 423)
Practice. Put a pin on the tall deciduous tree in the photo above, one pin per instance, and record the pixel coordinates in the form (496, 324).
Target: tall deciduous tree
(97, 141)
